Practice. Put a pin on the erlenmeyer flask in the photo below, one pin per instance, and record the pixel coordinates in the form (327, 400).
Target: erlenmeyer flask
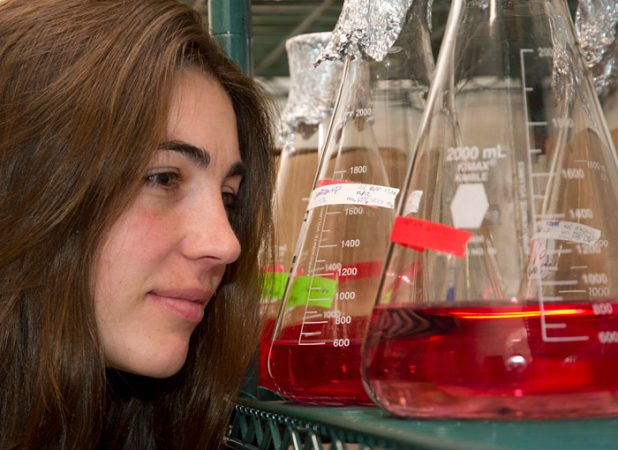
(315, 353)
(302, 132)
(498, 297)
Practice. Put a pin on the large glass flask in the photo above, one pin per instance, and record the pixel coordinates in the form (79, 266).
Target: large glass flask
(315, 353)
(499, 294)
(302, 132)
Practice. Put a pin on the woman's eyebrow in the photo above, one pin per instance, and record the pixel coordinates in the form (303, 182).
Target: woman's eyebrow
(237, 170)
(196, 154)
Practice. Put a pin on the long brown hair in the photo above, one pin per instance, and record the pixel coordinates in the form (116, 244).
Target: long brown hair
(84, 93)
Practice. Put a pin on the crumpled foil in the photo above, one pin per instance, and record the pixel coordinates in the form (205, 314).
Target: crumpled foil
(366, 28)
(313, 90)
(595, 24)
(564, 74)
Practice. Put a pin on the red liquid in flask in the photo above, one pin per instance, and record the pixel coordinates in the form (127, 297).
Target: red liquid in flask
(325, 374)
(265, 338)
(495, 361)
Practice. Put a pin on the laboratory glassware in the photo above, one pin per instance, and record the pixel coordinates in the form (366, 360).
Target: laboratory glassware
(302, 131)
(315, 353)
(498, 298)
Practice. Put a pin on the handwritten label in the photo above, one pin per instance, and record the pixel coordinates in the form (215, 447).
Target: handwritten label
(420, 235)
(353, 194)
(566, 231)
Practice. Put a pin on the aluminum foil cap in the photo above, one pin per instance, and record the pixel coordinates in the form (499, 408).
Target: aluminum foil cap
(595, 24)
(313, 90)
(564, 75)
(366, 28)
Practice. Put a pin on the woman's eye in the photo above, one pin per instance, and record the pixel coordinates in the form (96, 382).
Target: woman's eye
(165, 180)
(230, 201)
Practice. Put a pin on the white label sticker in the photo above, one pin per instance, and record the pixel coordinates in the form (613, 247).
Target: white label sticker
(566, 231)
(413, 202)
(353, 194)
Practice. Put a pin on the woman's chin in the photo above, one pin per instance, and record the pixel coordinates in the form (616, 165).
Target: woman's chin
(164, 364)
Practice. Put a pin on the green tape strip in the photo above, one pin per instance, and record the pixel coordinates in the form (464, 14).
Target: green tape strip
(318, 291)
(274, 285)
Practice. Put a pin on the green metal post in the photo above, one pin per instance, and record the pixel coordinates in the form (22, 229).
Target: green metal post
(230, 24)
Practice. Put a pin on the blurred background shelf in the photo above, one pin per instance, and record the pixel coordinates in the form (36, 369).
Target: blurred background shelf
(275, 21)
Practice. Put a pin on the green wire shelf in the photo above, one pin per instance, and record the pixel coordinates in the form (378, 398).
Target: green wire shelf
(279, 425)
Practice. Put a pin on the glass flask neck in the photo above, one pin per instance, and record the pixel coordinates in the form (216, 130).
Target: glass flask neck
(493, 5)
(414, 41)
(490, 33)
(494, 8)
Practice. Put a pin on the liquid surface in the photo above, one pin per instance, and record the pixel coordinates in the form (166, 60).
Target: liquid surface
(486, 361)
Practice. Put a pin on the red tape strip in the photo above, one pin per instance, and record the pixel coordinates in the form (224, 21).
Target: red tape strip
(328, 182)
(419, 235)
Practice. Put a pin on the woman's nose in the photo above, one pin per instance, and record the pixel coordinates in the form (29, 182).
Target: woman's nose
(209, 234)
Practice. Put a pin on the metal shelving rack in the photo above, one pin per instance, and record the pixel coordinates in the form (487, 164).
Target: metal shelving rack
(279, 425)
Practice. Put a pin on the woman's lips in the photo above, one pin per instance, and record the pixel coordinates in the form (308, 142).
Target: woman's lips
(186, 303)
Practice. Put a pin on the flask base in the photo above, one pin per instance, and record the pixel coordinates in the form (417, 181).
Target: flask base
(423, 400)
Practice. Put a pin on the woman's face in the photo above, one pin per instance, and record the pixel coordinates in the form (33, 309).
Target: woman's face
(163, 259)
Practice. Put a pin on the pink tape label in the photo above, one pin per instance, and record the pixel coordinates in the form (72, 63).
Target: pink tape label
(420, 235)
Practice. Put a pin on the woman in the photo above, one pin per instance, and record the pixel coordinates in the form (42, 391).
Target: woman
(135, 165)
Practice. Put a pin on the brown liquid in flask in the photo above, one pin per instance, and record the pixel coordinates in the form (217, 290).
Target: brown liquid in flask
(610, 109)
